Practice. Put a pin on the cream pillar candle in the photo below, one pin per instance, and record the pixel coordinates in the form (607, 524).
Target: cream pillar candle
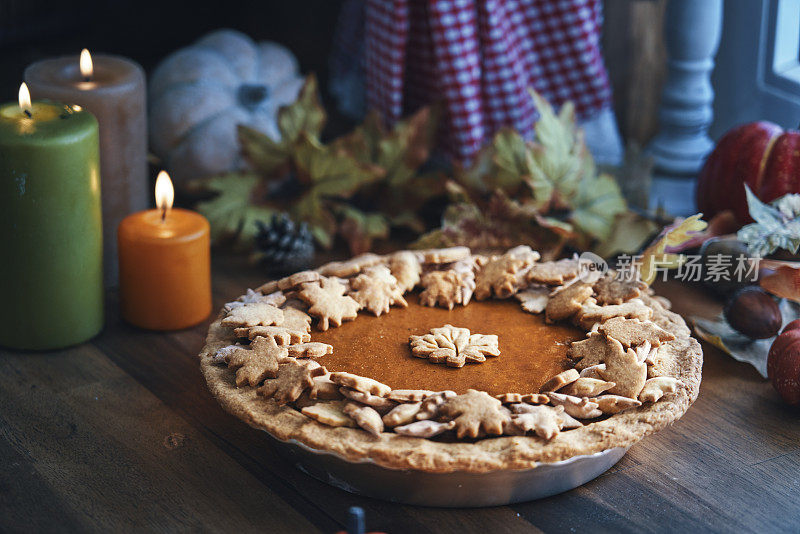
(113, 89)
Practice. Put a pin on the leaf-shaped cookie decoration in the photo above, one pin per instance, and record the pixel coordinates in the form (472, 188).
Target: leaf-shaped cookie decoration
(328, 303)
(454, 346)
(475, 412)
(377, 290)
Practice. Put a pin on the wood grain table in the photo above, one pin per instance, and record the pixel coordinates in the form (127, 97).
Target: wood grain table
(120, 434)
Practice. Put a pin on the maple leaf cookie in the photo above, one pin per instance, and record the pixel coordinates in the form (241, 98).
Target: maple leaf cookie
(365, 417)
(633, 332)
(377, 290)
(657, 387)
(590, 352)
(276, 299)
(446, 288)
(612, 289)
(254, 314)
(258, 361)
(351, 267)
(534, 299)
(590, 313)
(292, 379)
(406, 269)
(625, 370)
(544, 421)
(445, 255)
(454, 346)
(330, 413)
(424, 429)
(328, 303)
(475, 411)
(567, 302)
(296, 328)
(499, 274)
(553, 273)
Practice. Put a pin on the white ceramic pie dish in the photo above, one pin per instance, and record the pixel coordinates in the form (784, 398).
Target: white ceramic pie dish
(457, 489)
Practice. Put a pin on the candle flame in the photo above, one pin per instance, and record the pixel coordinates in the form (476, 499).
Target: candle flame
(87, 69)
(165, 193)
(25, 99)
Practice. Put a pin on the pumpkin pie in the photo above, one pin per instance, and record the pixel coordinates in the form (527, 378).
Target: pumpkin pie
(422, 360)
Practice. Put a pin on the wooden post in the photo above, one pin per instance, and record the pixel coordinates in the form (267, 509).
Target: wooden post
(692, 31)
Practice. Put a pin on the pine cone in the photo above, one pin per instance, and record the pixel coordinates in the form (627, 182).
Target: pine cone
(282, 246)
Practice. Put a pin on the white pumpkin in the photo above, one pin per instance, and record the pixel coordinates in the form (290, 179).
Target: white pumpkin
(199, 94)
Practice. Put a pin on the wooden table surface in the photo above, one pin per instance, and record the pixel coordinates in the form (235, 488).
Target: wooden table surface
(120, 434)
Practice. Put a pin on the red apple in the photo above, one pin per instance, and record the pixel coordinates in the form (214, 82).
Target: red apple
(791, 325)
(783, 366)
(759, 154)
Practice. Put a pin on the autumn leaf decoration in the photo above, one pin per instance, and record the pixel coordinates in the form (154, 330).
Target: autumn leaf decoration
(776, 226)
(322, 184)
(545, 193)
(662, 253)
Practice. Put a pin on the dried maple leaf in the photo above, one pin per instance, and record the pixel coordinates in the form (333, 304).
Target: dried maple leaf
(312, 181)
(502, 164)
(783, 282)
(557, 194)
(559, 154)
(328, 303)
(454, 346)
(360, 229)
(304, 115)
(475, 411)
(659, 255)
(597, 202)
(776, 226)
(231, 212)
(498, 225)
(629, 232)
(400, 151)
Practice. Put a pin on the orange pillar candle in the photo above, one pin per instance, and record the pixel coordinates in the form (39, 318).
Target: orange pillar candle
(164, 265)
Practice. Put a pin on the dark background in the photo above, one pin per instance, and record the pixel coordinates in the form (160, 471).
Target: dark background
(148, 30)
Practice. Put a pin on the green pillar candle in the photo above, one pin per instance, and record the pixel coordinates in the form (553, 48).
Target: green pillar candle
(51, 273)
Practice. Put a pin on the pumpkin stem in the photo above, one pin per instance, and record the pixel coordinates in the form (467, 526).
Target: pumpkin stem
(251, 95)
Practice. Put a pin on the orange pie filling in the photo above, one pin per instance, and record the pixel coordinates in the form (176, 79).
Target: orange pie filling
(531, 351)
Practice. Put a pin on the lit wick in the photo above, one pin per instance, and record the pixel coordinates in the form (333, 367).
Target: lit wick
(25, 100)
(165, 194)
(87, 69)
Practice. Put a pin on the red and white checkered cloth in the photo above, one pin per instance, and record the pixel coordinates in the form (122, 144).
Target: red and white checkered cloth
(479, 57)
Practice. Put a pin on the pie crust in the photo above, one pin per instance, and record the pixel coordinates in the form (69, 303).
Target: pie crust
(680, 358)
